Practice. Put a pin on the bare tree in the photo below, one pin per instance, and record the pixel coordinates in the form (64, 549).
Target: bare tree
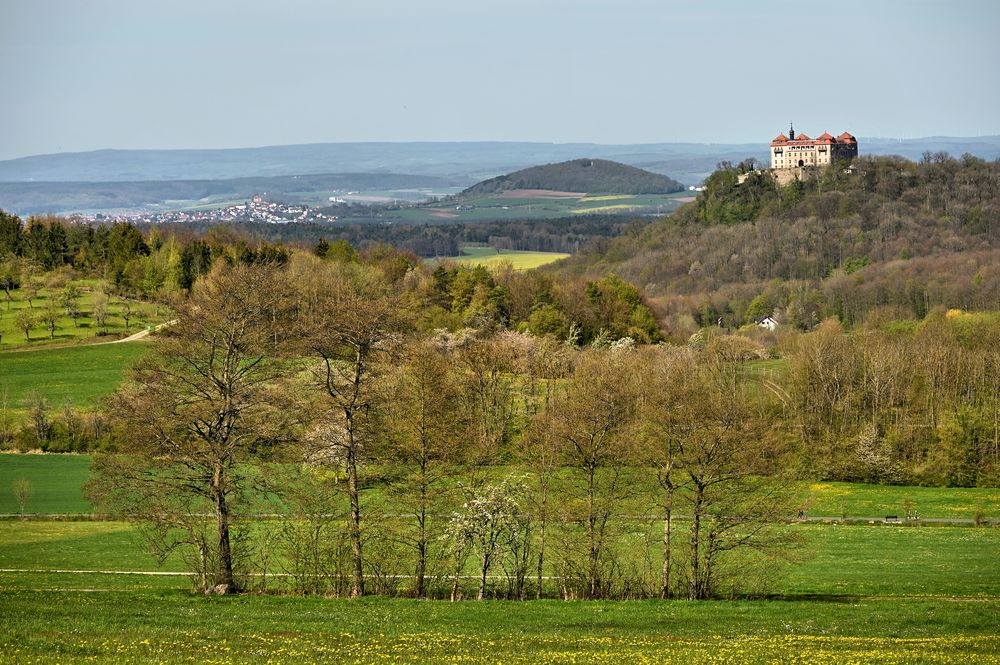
(350, 327)
(198, 412)
(590, 427)
(427, 428)
(22, 492)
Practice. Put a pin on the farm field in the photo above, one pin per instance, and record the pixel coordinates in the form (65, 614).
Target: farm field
(82, 373)
(490, 257)
(866, 594)
(534, 204)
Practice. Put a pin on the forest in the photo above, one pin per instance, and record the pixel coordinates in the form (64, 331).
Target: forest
(850, 239)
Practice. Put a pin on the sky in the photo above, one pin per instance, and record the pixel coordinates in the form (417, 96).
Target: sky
(90, 74)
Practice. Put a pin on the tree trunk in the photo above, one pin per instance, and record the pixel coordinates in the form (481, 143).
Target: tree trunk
(421, 552)
(695, 571)
(665, 576)
(358, 578)
(224, 574)
(591, 536)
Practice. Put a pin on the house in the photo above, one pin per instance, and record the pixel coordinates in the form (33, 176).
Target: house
(768, 322)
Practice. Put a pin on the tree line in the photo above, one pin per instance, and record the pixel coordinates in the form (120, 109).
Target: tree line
(295, 421)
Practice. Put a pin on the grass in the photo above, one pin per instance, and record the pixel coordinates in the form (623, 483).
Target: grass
(56, 482)
(491, 258)
(68, 473)
(145, 314)
(177, 627)
(868, 594)
(82, 374)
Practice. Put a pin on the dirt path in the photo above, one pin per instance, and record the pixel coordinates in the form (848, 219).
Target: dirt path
(142, 333)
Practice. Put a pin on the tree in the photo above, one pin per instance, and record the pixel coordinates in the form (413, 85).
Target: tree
(427, 427)
(490, 519)
(100, 311)
(22, 492)
(25, 321)
(590, 424)
(200, 410)
(49, 317)
(715, 440)
(350, 326)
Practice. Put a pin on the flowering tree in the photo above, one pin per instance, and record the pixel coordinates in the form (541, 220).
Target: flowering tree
(490, 523)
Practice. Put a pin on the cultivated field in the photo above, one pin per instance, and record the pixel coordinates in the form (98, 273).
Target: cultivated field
(82, 374)
(490, 257)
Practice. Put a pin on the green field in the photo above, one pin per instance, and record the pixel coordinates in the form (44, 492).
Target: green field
(866, 594)
(83, 374)
(11, 336)
(491, 258)
(822, 499)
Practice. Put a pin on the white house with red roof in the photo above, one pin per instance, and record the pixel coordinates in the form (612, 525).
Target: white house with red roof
(798, 150)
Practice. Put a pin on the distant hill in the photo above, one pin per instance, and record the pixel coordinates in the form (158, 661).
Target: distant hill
(579, 175)
(468, 162)
(887, 233)
(29, 198)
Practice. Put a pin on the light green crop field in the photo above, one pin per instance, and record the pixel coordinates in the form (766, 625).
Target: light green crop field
(11, 336)
(491, 258)
(83, 374)
(866, 594)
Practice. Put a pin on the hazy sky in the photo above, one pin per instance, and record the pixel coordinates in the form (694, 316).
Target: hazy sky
(88, 74)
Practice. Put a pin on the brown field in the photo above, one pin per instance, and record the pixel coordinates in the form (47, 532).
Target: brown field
(685, 199)
(443, 214)
(540, 194)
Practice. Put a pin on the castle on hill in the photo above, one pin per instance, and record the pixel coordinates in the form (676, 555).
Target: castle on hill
(796, 151)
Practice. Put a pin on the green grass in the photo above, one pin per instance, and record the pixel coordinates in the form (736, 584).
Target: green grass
(836, 499)
(491, 258)
(157, 626)
(83, 374)
(56, 482)
(865, 594)
(146, 314)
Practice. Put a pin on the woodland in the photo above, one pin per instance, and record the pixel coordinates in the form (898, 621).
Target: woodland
(447, 431)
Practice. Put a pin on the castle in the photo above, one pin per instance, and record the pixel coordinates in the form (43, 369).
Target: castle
(789, 152)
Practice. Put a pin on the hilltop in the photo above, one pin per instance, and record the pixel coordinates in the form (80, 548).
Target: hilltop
(886, 233)
(578, 175)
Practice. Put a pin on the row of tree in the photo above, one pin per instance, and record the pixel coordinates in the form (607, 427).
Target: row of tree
(327, 439)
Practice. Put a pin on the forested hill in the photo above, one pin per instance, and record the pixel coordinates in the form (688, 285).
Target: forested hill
(579, 175)
(887, 232)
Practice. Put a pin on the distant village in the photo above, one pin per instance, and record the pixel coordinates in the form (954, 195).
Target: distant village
(257, 209)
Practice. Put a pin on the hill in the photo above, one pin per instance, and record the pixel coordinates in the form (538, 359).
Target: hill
(28, 198)
(578, 175)
(689, 163)
(889, 232)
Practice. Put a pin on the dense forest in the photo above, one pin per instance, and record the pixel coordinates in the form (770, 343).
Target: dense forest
(579, 175)
(846, 241)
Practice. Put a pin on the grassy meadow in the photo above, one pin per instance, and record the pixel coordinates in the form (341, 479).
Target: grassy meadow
(82, 374)
(68, 331)
(863, 594)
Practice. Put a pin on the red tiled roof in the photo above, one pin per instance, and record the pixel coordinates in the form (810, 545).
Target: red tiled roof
(780, 138)
(802, 137)
(845, 137)
(825, 136)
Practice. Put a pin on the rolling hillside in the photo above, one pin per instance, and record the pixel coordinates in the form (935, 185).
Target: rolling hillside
(578, 175)
(888, 233)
